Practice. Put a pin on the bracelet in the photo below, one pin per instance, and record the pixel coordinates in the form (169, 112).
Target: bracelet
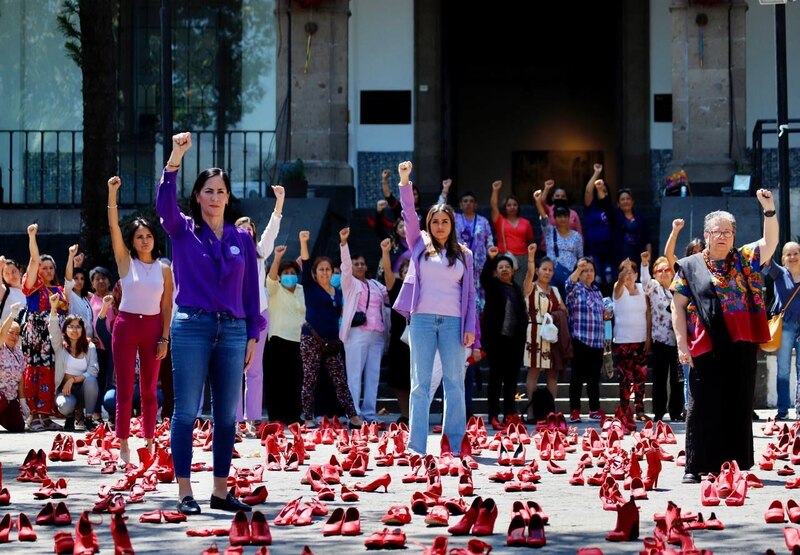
(173, 165)
(110, 207)
(769, 213)
(162, 340)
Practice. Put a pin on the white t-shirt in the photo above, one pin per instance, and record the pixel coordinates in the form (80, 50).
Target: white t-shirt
(630, 317)
(15, 295)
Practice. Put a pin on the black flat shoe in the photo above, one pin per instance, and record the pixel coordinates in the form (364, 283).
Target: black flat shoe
(188, 506)
(229, 503)
(690, 478)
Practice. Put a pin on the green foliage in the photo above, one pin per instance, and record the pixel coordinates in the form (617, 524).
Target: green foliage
(68, 19)
(293, 171)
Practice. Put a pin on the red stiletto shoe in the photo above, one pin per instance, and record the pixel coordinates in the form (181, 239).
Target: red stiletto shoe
(55, 450)
(534, 508)
(351, 525)
(5, 497)
(503, 457)
(463, 526)
(47, 515)
(518, 458)
(25, 529)
(465, 485)
(775, 513)
(439, 546)
(708, 494)
(258, 496)
(359, 467)
(653, 469)
(487, 515)
(437, 516)
(383, 482)
(67, 452)
(553, 468)
(517, 532)
(6, 525)
(122, 539)
(627, 527)
(284, 518)
(85, 537)
(793, 511)
(240, 529)
(638, 490)
(536, 537)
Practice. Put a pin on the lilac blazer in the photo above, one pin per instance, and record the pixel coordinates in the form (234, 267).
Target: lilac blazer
(408, 298)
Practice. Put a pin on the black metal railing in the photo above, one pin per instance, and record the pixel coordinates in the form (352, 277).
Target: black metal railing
(759, 177)
(45, 167)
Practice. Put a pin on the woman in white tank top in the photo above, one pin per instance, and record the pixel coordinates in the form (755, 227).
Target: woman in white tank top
(143, 324)
(631, 337)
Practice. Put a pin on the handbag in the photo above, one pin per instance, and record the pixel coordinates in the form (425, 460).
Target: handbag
(360, 318)
(776, 328)
(548, 330)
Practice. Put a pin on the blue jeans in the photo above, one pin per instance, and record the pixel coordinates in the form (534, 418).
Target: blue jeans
(110, 400)
(206, 344)
(790, 339)
(429, 332)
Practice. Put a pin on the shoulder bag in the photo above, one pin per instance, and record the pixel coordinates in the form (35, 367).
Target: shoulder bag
(776, 328)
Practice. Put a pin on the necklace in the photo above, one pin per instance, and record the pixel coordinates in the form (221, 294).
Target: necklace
(146, 267)
(718, 268)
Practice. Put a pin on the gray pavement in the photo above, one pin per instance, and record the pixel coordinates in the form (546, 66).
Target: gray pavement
(576, 515)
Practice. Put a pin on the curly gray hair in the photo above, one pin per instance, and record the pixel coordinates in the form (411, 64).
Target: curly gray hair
(718, 216)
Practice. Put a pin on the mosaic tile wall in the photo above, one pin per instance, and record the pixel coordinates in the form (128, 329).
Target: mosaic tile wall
(370, 167)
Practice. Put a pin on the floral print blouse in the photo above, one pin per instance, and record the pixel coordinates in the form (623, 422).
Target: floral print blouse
(12, 365)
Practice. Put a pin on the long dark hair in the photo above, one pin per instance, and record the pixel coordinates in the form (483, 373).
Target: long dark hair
(87, 284)
(452, 248)
(131, 231)
(82, 345)
(194, 206)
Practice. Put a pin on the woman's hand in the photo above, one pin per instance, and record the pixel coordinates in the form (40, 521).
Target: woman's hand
(677, 225)
(477, 355)
(279, 191)
(108, 300)
(684, 357)
(381, 206)
(78, 260)
(114, 185)
(766, 199)
(248, 355)
(404, 169)
(279, 251)
(181, 143)
(532, 253)
(548, 186)
(54, 298)
(469, 339)
(32, 229)
(344, 235)
(73, 250)
(67, 388)
(161, 350)
(597, 168)
(492, 252)
(15, 309)
(645, 258)
(446, 186)
(385, 175)
(304, 236)
(386, 246)
(497, 185)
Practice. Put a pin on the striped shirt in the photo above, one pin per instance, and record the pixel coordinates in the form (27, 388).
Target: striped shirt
(585, 305)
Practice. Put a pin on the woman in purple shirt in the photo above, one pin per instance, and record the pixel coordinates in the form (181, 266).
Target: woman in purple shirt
(215, 326)
(441, 305)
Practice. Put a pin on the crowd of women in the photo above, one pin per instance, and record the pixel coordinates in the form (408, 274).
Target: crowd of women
(451, 288)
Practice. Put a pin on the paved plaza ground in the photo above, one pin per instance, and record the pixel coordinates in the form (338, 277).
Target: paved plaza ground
(576, 515)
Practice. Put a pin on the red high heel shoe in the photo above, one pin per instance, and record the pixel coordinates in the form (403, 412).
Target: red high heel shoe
(351, 525)
(359, 467)
(259, 529)
(437, 516)
(25, 529)
(487, 515)
(5, 497)
(348, 495)
(709, 497)
(793, 511)
(434, 480)
(518, 458)
(517, 536)
(465, 485)
(627, 527)
(383, 482)
(439, 546)
(258, 496)
(46, 515)
(775, 513)
(463, 526)
(122, 539)
(503, 457)
(534, 508)
(55, 450)
(61, 516)
(240, 529)
(638, 491)
(60, 489)
(67, 452)
(536, 537)
(397, 515)
(653, 469)
(545, 451)
(6, 525)
(85, 537)
(284, 518)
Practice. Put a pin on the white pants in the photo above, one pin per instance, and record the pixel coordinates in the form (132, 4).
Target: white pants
(363, 351)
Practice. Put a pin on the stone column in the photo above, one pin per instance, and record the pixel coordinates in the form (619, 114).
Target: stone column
(708, 89)
(317, 114)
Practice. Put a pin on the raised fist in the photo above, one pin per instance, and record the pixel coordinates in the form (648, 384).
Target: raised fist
(537, 195)
(646, 258)
(404, 169)
(279, 191)
(677, 224)
(32, 229)
(344, 234)
(304, 236)
(73, 250)
(381, 206)
(78, 261)
(766, 199)
(598, 167)
(108, 300)
(385, 175)
(493, 251)
(446, 184)
(114, 184)
(386, 246)
(181, 143)
(531, 249)
(54, 298)
(497, 185)
(549, 184)
(280, 250)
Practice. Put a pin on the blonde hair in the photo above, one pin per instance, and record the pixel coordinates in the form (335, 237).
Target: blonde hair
(789, 244)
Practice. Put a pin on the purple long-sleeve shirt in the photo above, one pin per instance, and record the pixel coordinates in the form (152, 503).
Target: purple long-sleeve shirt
(211, 274)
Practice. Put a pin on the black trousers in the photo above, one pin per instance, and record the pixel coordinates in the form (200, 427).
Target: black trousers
(283, 379)
(665, 368)
(505, 360)
(719, 424)
(586, 365)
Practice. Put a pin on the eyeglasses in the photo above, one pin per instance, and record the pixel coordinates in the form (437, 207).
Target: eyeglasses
(727, 234)
(663, 271)
(75, 328)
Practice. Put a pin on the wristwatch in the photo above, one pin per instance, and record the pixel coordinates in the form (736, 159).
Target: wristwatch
(769, 213)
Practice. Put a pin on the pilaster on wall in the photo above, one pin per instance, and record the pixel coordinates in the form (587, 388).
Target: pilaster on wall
(708, 88)
(312, 101)
(428, 132)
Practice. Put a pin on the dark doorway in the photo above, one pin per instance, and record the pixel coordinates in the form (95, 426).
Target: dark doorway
(531, 77)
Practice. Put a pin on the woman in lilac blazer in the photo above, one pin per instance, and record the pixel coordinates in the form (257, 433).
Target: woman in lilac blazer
(440, 303)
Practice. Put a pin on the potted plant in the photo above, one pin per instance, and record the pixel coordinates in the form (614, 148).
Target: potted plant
(293, 178)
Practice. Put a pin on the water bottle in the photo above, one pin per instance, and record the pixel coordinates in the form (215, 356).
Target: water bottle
(608, 273)
(683, 190)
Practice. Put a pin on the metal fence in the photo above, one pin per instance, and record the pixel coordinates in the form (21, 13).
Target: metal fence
(45, 167)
